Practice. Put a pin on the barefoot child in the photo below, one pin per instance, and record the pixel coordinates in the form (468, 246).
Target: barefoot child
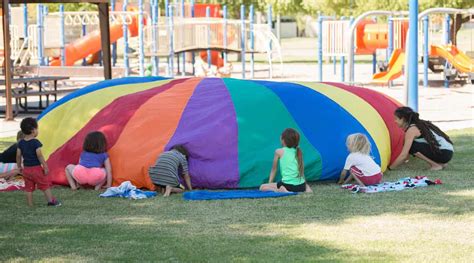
(169, 166)
(31, 163)
(94, 167)
(291, 166)
(423, 139)
(359, 163)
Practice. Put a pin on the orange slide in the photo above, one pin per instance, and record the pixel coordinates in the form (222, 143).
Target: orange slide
(454, 56)
(395, 66)
(91, 43)
(215, 11)
(216, 58)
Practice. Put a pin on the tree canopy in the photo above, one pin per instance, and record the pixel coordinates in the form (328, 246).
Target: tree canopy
(310, 7)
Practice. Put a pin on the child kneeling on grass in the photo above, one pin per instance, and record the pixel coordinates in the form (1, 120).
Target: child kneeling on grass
(169, 166)
(359, 163)
(94, 166)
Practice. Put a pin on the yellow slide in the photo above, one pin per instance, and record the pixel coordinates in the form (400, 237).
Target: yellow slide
(395, 66)
(454, 56)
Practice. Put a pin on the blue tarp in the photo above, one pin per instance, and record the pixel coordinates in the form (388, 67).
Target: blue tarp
(233, 194)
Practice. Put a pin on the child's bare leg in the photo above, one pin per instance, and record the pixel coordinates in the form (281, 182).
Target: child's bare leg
(308, 189)
(358, 180)
(160, 189)
(8, 175)
(48, 195)
(341, 178)
(167, 191)
(176, 190)
(70, 179)
(269, 187)
(29, 198)
(349, 178)
(99, 186)
(434, 166)
(282, 189)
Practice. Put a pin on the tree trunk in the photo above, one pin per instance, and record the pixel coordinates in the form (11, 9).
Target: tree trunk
(457, 21)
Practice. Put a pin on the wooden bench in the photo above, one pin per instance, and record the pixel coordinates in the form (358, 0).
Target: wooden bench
(26, 91)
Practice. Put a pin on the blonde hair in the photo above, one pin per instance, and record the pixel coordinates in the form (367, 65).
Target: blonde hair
(20, 135)
(358, 142)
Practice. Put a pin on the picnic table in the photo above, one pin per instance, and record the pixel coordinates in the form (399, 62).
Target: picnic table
(28, 90)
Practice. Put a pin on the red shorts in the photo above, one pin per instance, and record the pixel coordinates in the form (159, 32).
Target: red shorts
(35, 178)
(367, 180)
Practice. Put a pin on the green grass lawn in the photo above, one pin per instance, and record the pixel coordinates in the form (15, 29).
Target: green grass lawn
(428, 224)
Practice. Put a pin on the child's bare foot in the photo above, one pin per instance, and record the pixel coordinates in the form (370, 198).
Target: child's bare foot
(436, 168)
(167, 191)
(341, 181)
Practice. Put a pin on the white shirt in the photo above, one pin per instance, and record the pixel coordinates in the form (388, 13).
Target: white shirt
(363, 162)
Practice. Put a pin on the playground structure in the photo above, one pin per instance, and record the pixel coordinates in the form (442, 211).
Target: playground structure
(18, 43)
(370, 36)
(206, 29)
(63, 39)
(346, 38)
(456, 58)
(451, 56)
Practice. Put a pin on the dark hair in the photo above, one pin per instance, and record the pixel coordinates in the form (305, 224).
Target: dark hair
(292, 140)
(20, 135)
(95, 142)
(27, 125)
(410, 117)
(180, 148)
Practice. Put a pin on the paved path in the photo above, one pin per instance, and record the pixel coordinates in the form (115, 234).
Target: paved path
(450, 109)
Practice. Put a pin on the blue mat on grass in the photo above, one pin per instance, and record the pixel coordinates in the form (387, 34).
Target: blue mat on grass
(231, 194)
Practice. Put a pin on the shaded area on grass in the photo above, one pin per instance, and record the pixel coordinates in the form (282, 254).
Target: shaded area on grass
(330, 225)
(169, 242)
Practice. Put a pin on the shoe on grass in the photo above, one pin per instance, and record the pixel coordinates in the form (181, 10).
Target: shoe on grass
(54, 203)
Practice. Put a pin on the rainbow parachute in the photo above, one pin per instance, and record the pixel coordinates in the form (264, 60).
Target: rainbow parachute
(231, 127)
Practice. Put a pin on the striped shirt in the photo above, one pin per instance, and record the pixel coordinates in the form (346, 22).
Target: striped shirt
(169, 166)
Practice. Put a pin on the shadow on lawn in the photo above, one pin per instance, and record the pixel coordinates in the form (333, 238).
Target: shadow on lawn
(170, 229)
(105, 242)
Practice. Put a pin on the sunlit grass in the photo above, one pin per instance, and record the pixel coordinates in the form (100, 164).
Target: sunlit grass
(426, 224)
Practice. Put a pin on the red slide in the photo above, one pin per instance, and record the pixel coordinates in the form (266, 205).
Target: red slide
(91, 43)
(216, 58)
(215, 11)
